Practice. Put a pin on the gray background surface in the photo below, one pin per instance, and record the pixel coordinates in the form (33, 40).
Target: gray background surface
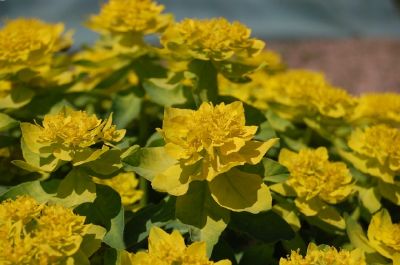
(269, 19)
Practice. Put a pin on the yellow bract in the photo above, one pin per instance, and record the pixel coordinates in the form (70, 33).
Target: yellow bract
(70, 129)
(33, 233)
(130, 16)
(210, 39)
(170, 249)
(126, 185)
(313, 175)
(383, 235)
(376, 108)
(298, 93)
(29, 43)
(214, 136)
(325, 255)
(379, 147)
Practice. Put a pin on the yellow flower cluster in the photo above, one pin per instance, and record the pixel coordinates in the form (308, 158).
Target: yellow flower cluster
(214, 136)
(376, 108)
(210, 39)
(298, 93)
(29, 43)
(72, 130)
(313, 175)
(379, 147)
(170, 249)
(325, 255)
(130, 16)
(383, 235)
(33, 233)
(126, 185)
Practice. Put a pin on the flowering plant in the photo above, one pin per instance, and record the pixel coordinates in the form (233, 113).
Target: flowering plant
(203, 149)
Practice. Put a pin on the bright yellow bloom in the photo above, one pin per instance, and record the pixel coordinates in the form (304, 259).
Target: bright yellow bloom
(383, 235)
(214, 136)
(125, 184)
(313, 175)
(28, 208)
(210, 39)
(298, 93)
(170, 249)
(379, 147)
(325, 255)
(68, 132)
(376, 108)
(29, 43)
(206, 145)
(38, 233)
(130, 16)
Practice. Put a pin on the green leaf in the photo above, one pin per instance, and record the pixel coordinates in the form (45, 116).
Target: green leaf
(148, 161)
(258, 255)
(265, 132)
(235, 71)
(278, 123)
(125, 109)
(268, 226)
(6, 122)
(370, 199)
(210, 219)
(107, 211)
(18, 97)
(274, 171)
(390, 191)
(108, 163)
(357, 236)
(241, 191)
(222, 250)
(35, 189)
(76, 188)
(138, 228)
(206, 85)
(164, 93)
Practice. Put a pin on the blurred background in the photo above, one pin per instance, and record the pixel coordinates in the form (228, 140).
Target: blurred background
(355, 42)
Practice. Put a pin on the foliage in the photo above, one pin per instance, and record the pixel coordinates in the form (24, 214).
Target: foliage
(204, 149)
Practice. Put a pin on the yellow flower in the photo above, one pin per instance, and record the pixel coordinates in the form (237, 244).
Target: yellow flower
(214, 136)
(316, 183)
(130, 16)
(39, 233)
(383, 235)
(298, 93)
(28, 208)
(126, 185)
(376, 108)
(29, 43)
(210, 39)
(325, 255)
(170, 249)
(205, 146)
(69, 132)
(378, 147)
(313, 175)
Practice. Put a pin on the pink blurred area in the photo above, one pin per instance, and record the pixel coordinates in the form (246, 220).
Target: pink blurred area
(358, 65)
